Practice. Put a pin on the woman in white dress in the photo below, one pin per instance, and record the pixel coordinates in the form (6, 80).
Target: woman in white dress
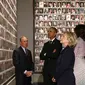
(79, 67)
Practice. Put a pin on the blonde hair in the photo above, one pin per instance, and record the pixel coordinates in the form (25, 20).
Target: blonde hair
(71, 37)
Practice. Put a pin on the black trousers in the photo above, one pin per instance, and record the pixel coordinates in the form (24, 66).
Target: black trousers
(47, 79)
(21, 79)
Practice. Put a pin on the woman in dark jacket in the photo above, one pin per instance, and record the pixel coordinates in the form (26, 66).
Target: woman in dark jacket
(65, 63)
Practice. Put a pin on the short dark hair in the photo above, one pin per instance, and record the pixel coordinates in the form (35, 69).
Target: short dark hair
(54, 29)
(80, 31)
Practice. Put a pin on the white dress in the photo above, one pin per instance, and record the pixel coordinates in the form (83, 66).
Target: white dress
(79, 67)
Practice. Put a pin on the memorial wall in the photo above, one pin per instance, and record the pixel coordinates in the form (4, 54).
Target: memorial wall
(8, 38)
(64, 15)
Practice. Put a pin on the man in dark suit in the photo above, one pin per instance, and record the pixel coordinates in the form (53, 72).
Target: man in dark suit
(50, 53)
(22, 60)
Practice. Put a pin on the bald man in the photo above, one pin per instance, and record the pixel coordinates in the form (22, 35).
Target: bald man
(22, 60)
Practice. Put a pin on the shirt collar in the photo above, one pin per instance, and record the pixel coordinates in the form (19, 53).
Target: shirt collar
(23, 48)
(52, 39)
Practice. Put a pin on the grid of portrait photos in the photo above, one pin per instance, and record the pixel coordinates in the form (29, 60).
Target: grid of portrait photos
(62, 14)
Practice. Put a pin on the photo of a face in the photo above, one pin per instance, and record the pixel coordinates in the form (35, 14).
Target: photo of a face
(50, 4)
(54, 4)
(68, 29)
(72, 17)
(63, 4)
(2, 32)
(77, 4)
(63, 23)
(41, 18)
(37, 24)
(54, 23)
(36, 17)
(73, 4)
(41, 30)
(45, 17)
(45, 10)
(45, 4)
(77, 11)
(68, 17)
(49, 23)
(41, 23)
(76, 23)
(63, 10)
(45, 36)
(1, 66)
(59, 4)
(63, 29)
(72, 29)
(36, 36)
(36, 11)
(72, 11)
(59, 11)
(37, 30)
(37, 60)
(68, 23)
(68, 5)
(82, 11)
(72, 23)
(55, 11)
(40, 10)
(50, 11)
(37, 4)
(59, 17)
(50, 17)
(45, 23)
(81, 4)
(77, 17)
(68, 11)
(41, 4)
(41, 43)
(63, 17)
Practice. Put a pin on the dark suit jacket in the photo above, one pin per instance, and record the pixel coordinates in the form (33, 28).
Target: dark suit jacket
(22, 61)
(50, 56)
(64, 68)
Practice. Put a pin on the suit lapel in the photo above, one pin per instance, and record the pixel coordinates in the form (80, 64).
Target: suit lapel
(22, 50)
(54, 41)
(64, 49)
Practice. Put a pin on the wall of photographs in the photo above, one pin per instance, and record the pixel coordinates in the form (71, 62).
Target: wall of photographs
(62, 14)
(8, 38)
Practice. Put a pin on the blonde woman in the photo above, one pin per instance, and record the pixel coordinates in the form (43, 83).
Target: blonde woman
(65, 63)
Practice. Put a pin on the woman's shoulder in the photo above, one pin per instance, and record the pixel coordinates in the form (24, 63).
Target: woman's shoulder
(69, 49)
(80, 42)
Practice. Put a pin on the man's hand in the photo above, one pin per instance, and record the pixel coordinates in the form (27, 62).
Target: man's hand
(29, 73)
(53, 79)
(54, 50)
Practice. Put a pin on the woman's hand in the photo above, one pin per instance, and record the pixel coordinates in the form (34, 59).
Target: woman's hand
(53, 79)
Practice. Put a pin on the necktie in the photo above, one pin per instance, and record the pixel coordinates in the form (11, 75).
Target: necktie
(50, 42)
(25, 50)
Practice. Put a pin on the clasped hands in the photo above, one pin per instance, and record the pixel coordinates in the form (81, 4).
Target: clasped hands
(28, 73)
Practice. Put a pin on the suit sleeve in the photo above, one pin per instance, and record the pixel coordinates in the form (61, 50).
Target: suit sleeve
(54, 55)
(16, 59)
(31, 62)
(66, 60)
(43, 54)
